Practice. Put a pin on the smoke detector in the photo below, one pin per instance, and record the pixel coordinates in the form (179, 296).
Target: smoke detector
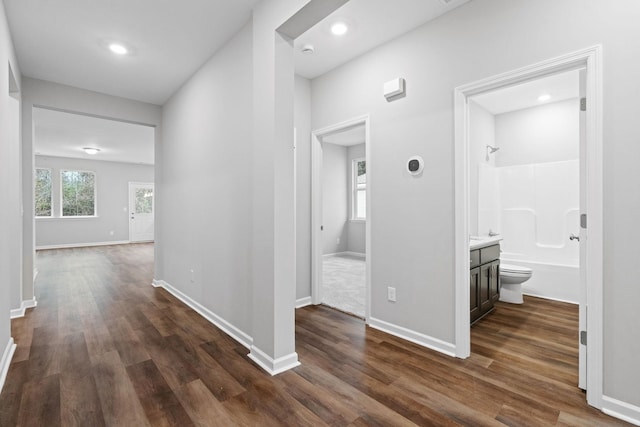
(307, 49)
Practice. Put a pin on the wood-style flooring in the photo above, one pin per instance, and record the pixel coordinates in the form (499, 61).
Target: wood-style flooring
(103, 347)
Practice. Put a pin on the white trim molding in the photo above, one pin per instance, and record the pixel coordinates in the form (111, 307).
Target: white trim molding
(622, 410)
(316, 207)
(6, 361)
(20, 312)
(273, 366)
(413, 336)
(347, 253)
(589, 59)
(82, 245)
(213, 318)
(303, 302)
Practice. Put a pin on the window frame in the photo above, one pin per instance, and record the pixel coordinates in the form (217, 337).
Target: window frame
(35, 181)
(95, 194)
(357, 188)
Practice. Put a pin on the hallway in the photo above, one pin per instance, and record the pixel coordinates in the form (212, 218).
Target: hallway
(104, 347)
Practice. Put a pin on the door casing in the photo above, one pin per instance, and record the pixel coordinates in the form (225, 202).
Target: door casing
(316, 208)
(592, 270)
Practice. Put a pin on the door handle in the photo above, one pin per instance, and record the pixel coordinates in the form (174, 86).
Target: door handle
(574, 237)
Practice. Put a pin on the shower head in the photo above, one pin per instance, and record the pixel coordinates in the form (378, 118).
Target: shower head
(491, 150)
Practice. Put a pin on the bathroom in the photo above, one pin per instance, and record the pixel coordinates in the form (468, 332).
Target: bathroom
(524, 175)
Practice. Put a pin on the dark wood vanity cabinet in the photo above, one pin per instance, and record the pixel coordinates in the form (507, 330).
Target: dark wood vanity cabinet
(474, 297)
(484, 280)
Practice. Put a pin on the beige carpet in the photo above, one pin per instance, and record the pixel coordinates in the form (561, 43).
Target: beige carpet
(343, 283)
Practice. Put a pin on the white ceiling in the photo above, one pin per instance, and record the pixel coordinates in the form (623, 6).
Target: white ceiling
(63, 134)
(64, 41)
(346, 138)
(525, 95)
(371, 23)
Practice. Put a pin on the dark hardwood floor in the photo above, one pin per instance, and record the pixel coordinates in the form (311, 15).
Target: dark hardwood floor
(103, 347)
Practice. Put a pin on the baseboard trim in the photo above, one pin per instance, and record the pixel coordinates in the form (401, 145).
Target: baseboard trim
(20, 312)
(348, 253)
(303, 302)
(273, 366)
(6, 361)
(413, 336)
(550, 299)
(213, 318)
(82, 245)
(621, 410)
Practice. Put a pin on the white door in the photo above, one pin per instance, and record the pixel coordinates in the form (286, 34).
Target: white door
(141, 208)
(582, 311)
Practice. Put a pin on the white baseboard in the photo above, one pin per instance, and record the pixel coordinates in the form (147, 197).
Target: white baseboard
(19, 312)
(346, 253)
(413, 336)
(6, 361)
(273, 367)
(303, 302)
(621, 410)
(218, 321)
(82, 245)
(550, 299)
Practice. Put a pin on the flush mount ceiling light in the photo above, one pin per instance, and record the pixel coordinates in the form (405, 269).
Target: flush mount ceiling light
(339, 28)
(118, 49)
(91, 150)
(544, 97)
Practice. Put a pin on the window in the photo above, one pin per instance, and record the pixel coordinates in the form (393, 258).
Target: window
(359, 201)
(144, 200)
(78, 193)
(42, 193)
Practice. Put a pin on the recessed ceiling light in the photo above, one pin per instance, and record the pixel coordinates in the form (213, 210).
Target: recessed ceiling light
(118, 48)
(544, 97)
(339, 28)
(91, 150)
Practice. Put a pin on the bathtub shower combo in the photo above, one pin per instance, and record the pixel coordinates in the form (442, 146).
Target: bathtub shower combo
(535, 208)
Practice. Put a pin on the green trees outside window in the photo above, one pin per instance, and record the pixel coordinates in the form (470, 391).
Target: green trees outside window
(43, 192)
(78, 193)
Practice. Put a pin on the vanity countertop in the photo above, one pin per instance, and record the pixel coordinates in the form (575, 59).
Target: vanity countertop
(477, 242)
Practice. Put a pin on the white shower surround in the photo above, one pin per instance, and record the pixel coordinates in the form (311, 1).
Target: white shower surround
(535, 208)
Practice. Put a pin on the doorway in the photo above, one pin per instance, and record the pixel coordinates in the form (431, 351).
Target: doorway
(141, 212)
(590, 358)
(341, 217)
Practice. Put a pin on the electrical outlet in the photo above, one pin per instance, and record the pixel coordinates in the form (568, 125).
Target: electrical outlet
(193, 279)
(111, 233)
(338, 241)
(391, 294)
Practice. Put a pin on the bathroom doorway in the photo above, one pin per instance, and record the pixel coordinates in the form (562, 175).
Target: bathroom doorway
(341, 217)
(582, 68)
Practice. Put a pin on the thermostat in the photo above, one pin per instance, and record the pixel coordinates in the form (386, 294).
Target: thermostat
(415, 165)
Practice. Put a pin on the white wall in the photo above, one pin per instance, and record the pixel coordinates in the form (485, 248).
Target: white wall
(355, 229)
(302, 120)
(207, 184)
(13, 202)
(43, 94)
(546, 133)
(335, 174)
(482, 133)
(9, 180)
(412, 219)
(112, 202)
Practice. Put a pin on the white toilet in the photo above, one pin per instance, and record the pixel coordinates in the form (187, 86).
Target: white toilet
(511, 279)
